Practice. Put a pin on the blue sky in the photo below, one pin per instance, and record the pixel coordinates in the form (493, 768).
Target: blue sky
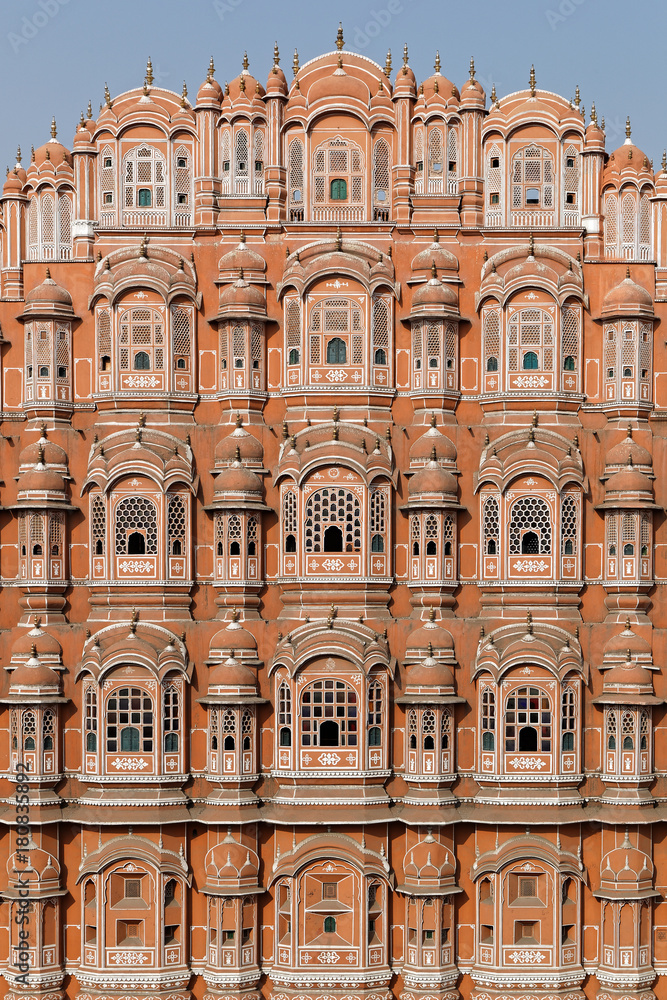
(55, 55)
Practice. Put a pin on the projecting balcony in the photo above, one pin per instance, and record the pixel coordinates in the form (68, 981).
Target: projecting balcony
(143, 219)
(339, 213)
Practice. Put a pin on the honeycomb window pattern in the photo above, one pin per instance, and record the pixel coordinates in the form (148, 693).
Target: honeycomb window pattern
(136, 515)
(328, 507)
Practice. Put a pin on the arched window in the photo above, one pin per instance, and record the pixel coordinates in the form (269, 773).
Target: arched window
(611, 730)
(568, 718)
(568, 525)
(91, 717)
(285, 716)
(290, 520)
(431, 535)
(329, 925)
(176, 522)
(492, 343)
(611, 225)
(435, 158)
(491, 525)
(129, 720)
(375, 700)
(182, 182)
(528, 721)
(530, 526)
(329, 715)
(492, 364)
(141, 340)
(494, 181)
(628, 225)
(381, 180)
(488, 719)
(144, 180)
(340, 323)
(29, 730)
(338, 176)
(336, 507)
(295, 175)
(628, 730)
(229, 730)
(136, 526)
(48, 729)
(171, 724)
(531, 340)
(428, 730)
(241, 151)
(532, 178)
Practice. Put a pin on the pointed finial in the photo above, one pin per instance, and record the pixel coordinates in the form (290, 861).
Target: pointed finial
(239, 420)
(405, 55)
(627, 273)
(237, 453)
(184, 94)
(54, 130)
(149, 73)
(89, 109)
(434, 270)
(276, 55)
(577, 96)
(245, 62)
(32, 154)
(472, 68)
(47, 274)
(494, 96)
(664, 161)
(594, 114)
(628, 128)
(436, 64)
(532, 81)
(387, 64)
(339, 239)
(18, 155)
(295, 63)
(433, 421)
(531, 245)
(107, 96)
(339, 37)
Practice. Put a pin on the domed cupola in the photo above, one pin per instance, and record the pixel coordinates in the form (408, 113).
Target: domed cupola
(433, 485)
(430, 865)
(250, 450)
(626, 873)
(472, 92)
(405, 84)
(48, 300)
(209, 94)
(235, 641)
(421, 451)
(33, 679)
(276, 85)
(232, 869)
(434, 299)
(628, 299)
(628, 452)
(37, 642)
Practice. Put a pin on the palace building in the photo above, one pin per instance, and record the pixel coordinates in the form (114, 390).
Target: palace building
(332, 536)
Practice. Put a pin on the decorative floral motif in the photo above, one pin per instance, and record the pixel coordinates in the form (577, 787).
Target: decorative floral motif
(528, 763)
(526, 957)
(129, 763)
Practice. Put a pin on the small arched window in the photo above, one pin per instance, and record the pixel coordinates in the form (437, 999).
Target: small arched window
(145, 197)
(142, 362)
(530, 360)
(492, 364)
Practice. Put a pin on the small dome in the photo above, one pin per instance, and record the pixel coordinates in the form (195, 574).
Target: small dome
(422, 449)
(210, 92)
(276, 83)
(628, 450)
(241, 299)
(434, 298)
(429, 861)
(41, 479)
(628, 675)
(234, 640)
(443, 259)
(430, 637)
(231, 864)
(43, 451)
(13, 184)
(626, 640)
(34, 676)
(626, 864)
(43, 643)
(238, 479)
(232, 674)
(433, 479)
(627, 159)
(472, 92)
(82, 137)
(628, 299)
(628, 480)
(405, 84)
(242, 257)
(429, 673)
(239, 446)
(48, 294)
(53, 152)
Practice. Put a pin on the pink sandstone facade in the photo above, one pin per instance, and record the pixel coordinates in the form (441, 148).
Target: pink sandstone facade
(332, 538)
